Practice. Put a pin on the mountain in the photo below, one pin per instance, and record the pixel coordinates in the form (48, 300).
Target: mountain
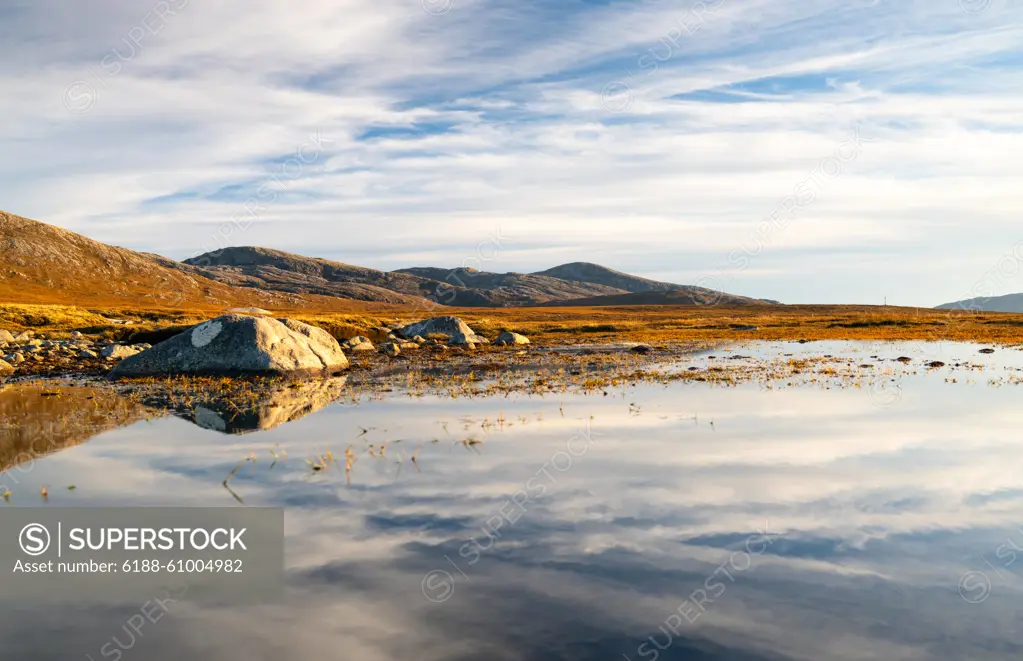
(513, 288)
(601, 275)
(682, 296)
(1007, 303)
(264, 268)
(41, 263)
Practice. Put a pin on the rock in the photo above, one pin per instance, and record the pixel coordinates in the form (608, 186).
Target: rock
(904, 359)
(6, 337)
(505, 339)
(354, 341)
(85, 353)
(987, 351)
(935, 363)
(6, 369)
(15, 358)
(119, 352)
(77, 334)
(643, 349)
(363, 346)
(239, 344)
(24, 337)
(390, 349)
(449, 326)
(407, 345)
(462, 338)
(418, 339)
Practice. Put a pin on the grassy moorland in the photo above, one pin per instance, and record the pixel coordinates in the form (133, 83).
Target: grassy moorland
(548, 325)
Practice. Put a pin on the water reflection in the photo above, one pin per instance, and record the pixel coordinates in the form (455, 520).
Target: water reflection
(637, 506)
(267, 408)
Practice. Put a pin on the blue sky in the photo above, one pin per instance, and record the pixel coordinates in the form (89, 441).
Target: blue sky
(831, 152)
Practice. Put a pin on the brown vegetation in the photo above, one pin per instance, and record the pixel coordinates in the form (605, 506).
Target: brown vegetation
(654, 324)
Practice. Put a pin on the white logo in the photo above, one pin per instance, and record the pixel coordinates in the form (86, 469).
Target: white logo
(34, 539)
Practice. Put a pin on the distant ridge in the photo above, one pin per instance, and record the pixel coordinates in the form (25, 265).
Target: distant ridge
(602, 275)
(684, 296)
(46, 264)
(1006, 303)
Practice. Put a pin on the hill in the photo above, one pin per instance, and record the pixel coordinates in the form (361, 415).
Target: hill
(1007, 303)
(514, 288)
(41, 263)
(601, 275)
(264, 268)
(686, 296)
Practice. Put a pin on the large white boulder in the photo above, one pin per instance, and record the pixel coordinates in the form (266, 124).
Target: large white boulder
(237, 344)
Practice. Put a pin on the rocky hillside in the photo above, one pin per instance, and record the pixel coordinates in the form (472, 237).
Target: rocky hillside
(43, 263)
(601, 275)
(684, 296)
(1007, 303)
(277, 270)
(514, 288)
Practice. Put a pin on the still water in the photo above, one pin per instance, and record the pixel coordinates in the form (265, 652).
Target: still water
(684, 521)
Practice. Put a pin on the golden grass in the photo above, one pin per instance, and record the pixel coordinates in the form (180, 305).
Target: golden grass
(654, 324)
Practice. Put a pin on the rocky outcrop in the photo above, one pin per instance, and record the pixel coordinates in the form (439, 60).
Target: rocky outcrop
(511, 338)
(450, 326)
(238, 345)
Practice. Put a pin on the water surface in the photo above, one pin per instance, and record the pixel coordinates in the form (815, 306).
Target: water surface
(875, 518)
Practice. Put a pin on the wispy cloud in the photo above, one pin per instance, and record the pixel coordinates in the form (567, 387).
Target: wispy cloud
(145, 128)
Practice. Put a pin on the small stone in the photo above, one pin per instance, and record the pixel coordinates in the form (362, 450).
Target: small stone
(85, 353)
(935, 363)
(904, 359)
(23, 337)
(363, 346)
(6, 369)
(119, 352)
(390, 349)
(987, 351)
(6, 337)
(418, 339)
(642, 349)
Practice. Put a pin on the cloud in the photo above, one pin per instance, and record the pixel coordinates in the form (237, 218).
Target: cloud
(584, 130)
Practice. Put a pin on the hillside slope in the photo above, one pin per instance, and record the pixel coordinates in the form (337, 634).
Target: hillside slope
(601, 275)
(40, 263)
(687, 296)
(264, 268)
(514, 288)
(1007, 303)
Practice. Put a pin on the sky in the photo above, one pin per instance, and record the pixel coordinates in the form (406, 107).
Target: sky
(834, 151)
